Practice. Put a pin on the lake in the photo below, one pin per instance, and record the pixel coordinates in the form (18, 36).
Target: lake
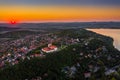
(114, 33)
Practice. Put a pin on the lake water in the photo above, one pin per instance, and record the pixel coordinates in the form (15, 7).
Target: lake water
(114, 33)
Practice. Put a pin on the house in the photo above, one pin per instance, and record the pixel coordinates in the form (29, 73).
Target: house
(110, 71)
(50, 48)
(87, 74)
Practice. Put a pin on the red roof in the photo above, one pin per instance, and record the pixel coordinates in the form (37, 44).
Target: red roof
(46, 49)
(52, 47)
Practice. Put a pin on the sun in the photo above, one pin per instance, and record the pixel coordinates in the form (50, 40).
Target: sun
(13, 22)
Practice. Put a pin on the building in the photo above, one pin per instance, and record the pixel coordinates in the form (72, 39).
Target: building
(50, 48)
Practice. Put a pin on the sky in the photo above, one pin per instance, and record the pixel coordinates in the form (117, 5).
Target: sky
(59, 10)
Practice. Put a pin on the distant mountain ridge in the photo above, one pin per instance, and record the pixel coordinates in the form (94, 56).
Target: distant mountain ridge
(64, 25)
(8, 28)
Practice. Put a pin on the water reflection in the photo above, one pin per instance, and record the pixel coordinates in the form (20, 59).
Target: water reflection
(114, 33)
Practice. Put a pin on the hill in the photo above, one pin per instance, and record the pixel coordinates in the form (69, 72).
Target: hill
(90, 57)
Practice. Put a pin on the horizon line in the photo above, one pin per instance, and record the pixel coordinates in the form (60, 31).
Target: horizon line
(58, 21)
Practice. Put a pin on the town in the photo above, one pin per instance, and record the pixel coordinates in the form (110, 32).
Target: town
(14, 50)
(87, 54)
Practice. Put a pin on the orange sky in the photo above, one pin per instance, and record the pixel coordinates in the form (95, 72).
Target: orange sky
(59, 13)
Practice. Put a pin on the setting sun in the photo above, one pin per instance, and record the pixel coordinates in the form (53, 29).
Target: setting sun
(13, 22)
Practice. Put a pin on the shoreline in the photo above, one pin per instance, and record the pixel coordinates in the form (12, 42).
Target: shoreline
(113, 33)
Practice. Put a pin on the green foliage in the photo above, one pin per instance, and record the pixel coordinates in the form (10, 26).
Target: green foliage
(52, 65)
(95, 43)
